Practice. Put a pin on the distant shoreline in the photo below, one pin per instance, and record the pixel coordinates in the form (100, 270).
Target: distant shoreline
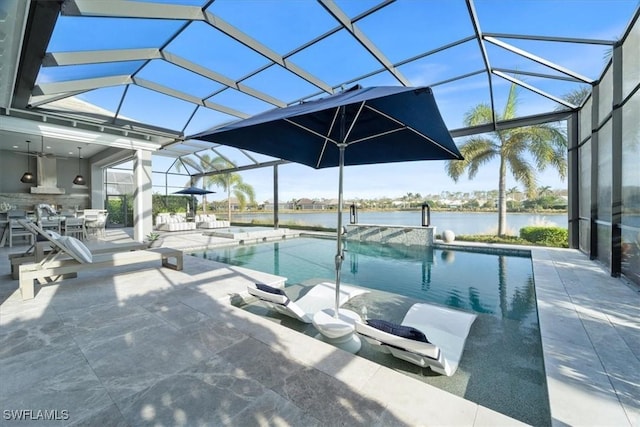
(346, 210)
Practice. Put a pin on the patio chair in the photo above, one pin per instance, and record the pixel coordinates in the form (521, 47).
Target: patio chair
(95, 222)
(74, 227)
(15, 229)
(319, 297)
(429, 336)
(70, 256)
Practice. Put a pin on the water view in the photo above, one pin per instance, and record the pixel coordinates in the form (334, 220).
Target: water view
(459, 222)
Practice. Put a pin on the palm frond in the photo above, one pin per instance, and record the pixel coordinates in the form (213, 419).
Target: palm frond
(576, 96)
(512, 103)
(523, 173)
(247, 190)
(481, 148)
(242, 199)
(455, 169)
(480, 115)
(480, 160)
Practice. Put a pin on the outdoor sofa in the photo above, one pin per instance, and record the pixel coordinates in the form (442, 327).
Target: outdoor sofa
(210, 221)
(173, 222)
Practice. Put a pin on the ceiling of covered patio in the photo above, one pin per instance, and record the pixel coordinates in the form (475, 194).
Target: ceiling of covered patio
(159, 72)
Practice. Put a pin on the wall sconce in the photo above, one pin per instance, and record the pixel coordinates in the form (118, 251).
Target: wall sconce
(27, 177)
(79, 179)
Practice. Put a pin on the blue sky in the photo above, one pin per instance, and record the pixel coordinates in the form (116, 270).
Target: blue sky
(400, 30)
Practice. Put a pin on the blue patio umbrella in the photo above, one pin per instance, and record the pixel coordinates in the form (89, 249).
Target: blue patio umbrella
(194, 191)
(355, 127)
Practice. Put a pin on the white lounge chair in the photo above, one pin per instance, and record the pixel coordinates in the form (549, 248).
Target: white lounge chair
(68, 256)
(445, 329)
(319, 297)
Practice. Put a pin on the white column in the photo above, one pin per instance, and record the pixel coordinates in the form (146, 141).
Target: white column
(97, 187)
(142, 217)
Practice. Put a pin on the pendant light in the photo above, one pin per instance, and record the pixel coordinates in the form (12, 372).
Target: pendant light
(79, 179)
(27, 177)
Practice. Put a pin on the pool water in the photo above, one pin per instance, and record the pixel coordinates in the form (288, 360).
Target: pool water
(471, 281)
(501, 367)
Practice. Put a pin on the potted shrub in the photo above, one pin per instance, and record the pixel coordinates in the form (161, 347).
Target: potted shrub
(154, 240)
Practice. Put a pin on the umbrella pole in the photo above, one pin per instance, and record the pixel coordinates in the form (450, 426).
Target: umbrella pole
(339, 253)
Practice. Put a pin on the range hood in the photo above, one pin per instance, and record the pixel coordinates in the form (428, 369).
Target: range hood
(47, 177)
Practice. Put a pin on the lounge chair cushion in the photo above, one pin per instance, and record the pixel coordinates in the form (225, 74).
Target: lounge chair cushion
(399, 330)
(76, 247)
(269, 294)
(54, 235)
(270, 289)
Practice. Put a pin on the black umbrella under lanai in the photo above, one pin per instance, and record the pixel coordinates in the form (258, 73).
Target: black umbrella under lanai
(194, 191)
(355, 127)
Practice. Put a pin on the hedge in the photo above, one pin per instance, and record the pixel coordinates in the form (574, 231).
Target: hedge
(546, 236)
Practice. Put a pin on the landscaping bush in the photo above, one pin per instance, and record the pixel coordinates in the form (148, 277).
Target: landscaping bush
(169, 203)
(513, 240)
(546, 236)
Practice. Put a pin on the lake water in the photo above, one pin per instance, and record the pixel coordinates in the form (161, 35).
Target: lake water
(458, 222)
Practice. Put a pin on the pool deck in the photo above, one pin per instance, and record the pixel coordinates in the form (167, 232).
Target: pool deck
(145, 345)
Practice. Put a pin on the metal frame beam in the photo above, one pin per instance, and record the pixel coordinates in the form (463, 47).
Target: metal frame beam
(359, 35)
(537, 59)
(533, 89)
(243, 168)
(473, 16)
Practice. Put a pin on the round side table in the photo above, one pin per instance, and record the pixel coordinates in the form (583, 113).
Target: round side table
(338, 331)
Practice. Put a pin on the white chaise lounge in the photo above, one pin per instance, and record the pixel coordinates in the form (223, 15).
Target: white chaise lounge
(319, 297)
(70, 256)
(445, 329)
(42, 248)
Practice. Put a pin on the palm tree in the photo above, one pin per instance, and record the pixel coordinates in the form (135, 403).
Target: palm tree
(208, 164)
(230, 182)
(575, 97)
(544, 190)
(545, 143)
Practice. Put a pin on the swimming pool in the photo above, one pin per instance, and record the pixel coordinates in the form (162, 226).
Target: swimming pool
(502, 366)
